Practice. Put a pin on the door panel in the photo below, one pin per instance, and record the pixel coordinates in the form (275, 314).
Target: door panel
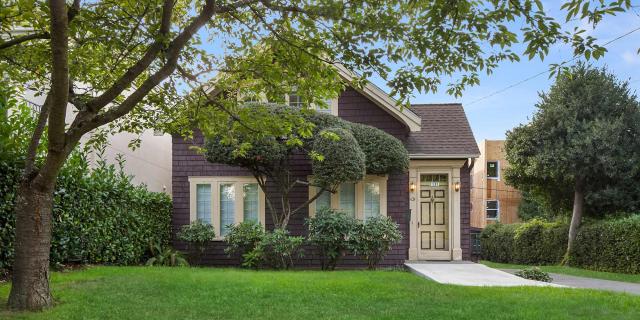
(433, 224)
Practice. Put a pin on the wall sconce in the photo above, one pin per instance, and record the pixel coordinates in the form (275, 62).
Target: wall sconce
(456, 186)
(412, 187)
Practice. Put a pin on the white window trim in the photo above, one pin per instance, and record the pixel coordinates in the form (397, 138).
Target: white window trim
(497, 169)
(335, 197)
(333, 106)
(486, 207)
(215, 199)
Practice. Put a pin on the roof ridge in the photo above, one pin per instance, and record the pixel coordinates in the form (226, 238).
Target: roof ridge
(436, 104)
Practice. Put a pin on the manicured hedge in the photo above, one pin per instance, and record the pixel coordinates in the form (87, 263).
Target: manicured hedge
(534, 242)
(99, 216)
(612, 245)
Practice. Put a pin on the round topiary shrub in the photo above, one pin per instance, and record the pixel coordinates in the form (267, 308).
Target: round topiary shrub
(384, 153)
(341, 158)
(330, 231)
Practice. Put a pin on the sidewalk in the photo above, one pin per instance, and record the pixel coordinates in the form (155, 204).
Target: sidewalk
(590, 283)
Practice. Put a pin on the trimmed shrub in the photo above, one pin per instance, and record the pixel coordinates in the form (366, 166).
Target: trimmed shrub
(540, 242)
(343, 160)
(374, 238)
(330, 231)
(275, 250)
(99, 216)
(497, 242)
(612, 245)
(534, 273)
(533, 242)
(243, 237)
(384, 153)
(197, 235)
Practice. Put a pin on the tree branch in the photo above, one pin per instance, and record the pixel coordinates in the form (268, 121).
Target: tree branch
(32, 149)
(19, 40)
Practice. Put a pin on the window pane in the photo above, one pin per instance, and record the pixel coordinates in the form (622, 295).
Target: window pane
(251, 205)
(371, 200)
(327, 109)
(348, 198)
(492, 169)
(295, 100)
(227, 207)
(203, 203)
(492, 209)
(323, 201)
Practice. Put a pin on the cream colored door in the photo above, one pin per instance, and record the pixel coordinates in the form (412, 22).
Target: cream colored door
(433, 217)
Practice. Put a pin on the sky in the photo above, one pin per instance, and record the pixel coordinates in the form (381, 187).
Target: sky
(490, 117)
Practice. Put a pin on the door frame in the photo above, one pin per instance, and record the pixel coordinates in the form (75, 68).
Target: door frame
(452, 169)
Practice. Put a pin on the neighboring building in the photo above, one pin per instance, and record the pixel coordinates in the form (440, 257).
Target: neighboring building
(430, 202)
(492, 200)
(150, 164)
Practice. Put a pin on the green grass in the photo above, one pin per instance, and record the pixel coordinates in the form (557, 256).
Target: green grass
(199, 293)
(635, 278)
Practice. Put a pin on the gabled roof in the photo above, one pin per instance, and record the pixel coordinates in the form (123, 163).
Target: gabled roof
(445, 133)
(383, 100)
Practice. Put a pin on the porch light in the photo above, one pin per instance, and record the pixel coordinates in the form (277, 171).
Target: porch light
(456, 186)
(412, 186)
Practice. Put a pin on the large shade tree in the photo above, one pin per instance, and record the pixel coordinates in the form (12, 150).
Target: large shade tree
(339, 151)
(583, 140)
(120, 65)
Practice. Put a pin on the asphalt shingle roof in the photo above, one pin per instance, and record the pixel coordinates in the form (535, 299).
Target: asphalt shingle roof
(445, 131)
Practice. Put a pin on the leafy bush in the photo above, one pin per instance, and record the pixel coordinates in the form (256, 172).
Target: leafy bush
(197, 235)
(243, 237)
(384, 153)
(165, 256)
(534, 273)
(611, 245)
(343, 159)
(374, 238)
(533, 242)
(99, 216)
(330, 231)
(275, 250)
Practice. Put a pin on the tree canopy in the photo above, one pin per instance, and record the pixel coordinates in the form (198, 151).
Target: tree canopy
(340, 151)
(583, 144)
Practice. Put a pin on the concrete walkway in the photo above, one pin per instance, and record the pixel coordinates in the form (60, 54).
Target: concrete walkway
(591, 283)
(470, 274)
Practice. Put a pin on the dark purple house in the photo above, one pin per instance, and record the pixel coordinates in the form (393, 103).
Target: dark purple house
(430, 202)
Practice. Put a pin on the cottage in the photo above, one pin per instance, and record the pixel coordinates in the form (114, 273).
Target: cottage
(430, 202)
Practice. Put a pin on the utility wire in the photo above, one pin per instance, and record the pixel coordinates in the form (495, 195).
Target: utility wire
(546, 71)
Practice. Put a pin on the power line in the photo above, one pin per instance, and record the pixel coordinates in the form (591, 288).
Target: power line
(546, 71)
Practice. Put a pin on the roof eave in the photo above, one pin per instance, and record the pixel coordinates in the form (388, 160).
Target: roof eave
(383, 100)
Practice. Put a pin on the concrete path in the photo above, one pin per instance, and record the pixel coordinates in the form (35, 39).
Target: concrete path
(591, 283)
(470, 274)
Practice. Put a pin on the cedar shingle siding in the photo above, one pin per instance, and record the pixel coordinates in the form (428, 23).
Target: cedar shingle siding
(352, 107)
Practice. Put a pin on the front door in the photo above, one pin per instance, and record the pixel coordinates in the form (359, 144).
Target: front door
(433, 217)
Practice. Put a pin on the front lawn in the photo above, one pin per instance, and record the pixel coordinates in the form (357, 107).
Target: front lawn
(571, 271)
(199, 293)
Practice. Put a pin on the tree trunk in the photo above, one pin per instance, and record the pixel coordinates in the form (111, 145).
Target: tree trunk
(576, 217)
(30, 284)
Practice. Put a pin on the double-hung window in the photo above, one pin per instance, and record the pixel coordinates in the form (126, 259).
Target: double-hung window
(493, 209)
(224, 201)
(493, 170)
(363, 200)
